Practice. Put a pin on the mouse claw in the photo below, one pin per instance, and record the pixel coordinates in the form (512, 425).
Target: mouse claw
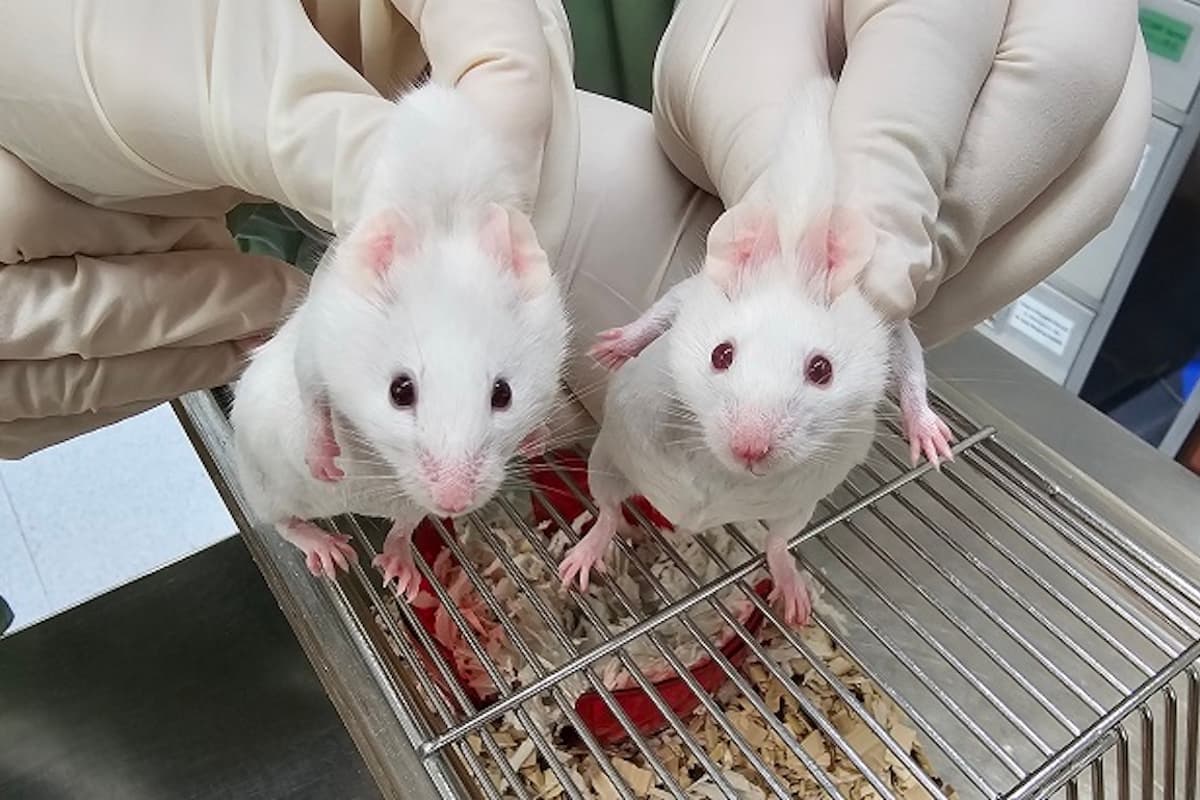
(577, 564)
(790, 591)
(322, 467)
(400, 574)
(324, 553)
(791, 597)
(320, 454)
(927, 435)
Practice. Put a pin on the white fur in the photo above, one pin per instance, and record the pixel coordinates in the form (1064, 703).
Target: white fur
(666, 432)
(666, 414)
(449, 315)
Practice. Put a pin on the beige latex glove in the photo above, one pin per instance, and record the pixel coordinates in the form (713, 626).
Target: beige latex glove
(988, 141)
(166, 115)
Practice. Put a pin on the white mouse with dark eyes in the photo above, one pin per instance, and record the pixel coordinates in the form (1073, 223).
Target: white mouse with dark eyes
(427, 352)
(749, 391)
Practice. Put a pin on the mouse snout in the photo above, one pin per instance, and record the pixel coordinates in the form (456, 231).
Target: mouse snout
(452, 484)
(751, 442)
(452, 497)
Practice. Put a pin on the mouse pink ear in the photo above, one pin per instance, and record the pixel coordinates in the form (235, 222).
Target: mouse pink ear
(508, 236)
(379, 240)
(740, 241)
(835, 249)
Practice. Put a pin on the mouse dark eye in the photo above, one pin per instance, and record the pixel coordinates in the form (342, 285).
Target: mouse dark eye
(404, 392)
(722, 356)
(819, 371)
(501, 394)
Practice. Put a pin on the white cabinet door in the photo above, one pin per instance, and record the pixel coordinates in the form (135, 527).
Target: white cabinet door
(1044, 328)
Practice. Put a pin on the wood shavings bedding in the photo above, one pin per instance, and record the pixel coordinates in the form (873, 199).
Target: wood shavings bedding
(667, 746)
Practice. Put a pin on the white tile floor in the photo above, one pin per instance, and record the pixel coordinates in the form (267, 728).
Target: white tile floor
(96, 512)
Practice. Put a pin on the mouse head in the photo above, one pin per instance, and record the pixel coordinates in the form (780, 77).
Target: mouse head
(779, 356)
(446, 348)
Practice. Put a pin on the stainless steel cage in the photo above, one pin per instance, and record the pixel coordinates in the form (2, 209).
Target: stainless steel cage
(1036, 648)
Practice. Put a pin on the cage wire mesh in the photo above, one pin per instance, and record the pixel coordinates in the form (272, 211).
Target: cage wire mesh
(977, 633)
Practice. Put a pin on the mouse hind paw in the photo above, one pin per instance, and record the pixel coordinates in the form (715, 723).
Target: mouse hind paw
(324, 553)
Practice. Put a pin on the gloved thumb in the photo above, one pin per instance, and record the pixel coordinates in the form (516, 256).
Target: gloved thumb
(898, 124)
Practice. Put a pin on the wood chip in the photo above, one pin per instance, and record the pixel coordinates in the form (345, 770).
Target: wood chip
(604, 787)
(523, 753)
(814, 744)
(868, 746)
(750, 727)
(639, 780)
(745, 789)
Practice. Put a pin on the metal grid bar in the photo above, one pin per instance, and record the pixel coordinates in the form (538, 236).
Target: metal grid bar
(526, 652)
(493, 672)
(955, 663)
(1147, 753)
(431, 692)
(994, 605)
(1123, 764)
(1193, 718)
(643, 683)
(840, 688)
(777, 671)
(703, 758)
(1114, 567)
(672, 611)
(1026, 571)
(681, 670)
(752, 641)
(974, 598)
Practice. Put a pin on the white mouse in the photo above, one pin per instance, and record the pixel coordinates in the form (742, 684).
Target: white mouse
(749, 391)
(426, 354)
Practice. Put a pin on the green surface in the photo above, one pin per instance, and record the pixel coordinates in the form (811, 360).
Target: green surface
(1165, 36)
(263, 229)
(615, 42)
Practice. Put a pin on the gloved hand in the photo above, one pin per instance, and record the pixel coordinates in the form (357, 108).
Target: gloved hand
(988, 141)
(127, 132)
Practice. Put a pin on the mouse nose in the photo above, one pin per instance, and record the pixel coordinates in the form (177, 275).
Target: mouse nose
(751, 454)
(750, 444)
(451, 484)
(452, 497)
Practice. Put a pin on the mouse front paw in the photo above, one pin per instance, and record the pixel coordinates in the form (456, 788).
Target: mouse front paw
(320, 459)
(616, 346)
(790, 591)
(927, 434)
(790, 596)
(399, 572)
(579, 561)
